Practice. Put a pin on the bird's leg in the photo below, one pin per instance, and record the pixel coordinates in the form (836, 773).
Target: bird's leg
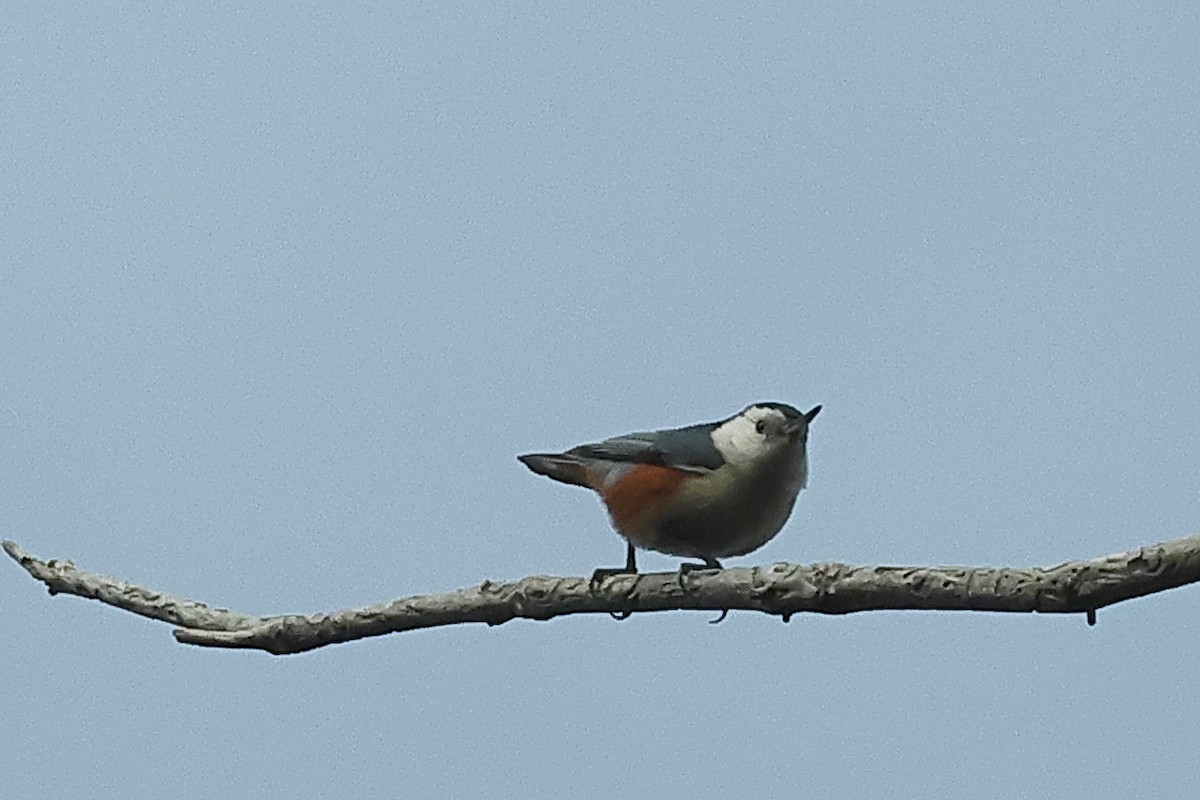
(603, 573)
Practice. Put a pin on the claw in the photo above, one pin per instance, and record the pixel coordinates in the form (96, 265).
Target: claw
(724, 614)
(604, 573)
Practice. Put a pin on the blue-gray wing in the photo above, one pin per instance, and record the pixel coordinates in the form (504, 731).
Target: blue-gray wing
(688, 449)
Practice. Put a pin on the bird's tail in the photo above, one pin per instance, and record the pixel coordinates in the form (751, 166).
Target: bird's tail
(561, 467)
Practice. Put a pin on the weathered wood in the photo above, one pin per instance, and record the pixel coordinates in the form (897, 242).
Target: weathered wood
(780, 589)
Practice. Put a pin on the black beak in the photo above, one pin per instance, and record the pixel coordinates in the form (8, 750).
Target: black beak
(796, 426)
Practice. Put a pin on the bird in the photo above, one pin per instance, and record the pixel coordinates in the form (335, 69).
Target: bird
(706, 491)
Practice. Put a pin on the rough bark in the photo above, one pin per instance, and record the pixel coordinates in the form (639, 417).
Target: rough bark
(1073, 587)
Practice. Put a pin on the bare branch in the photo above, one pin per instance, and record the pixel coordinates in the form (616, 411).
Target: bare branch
(61, 577)
(1074, 587)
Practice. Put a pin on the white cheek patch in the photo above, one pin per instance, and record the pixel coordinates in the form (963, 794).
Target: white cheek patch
(738, 440)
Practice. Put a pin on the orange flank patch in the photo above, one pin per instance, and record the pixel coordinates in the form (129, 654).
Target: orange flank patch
(644, 488)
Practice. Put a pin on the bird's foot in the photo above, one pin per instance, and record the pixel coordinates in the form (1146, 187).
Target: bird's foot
(603, 574)
(688, 568)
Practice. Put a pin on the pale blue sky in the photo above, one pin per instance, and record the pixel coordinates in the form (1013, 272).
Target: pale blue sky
(285, 289)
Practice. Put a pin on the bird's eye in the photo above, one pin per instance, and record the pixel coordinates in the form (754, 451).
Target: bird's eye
(760, 426)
